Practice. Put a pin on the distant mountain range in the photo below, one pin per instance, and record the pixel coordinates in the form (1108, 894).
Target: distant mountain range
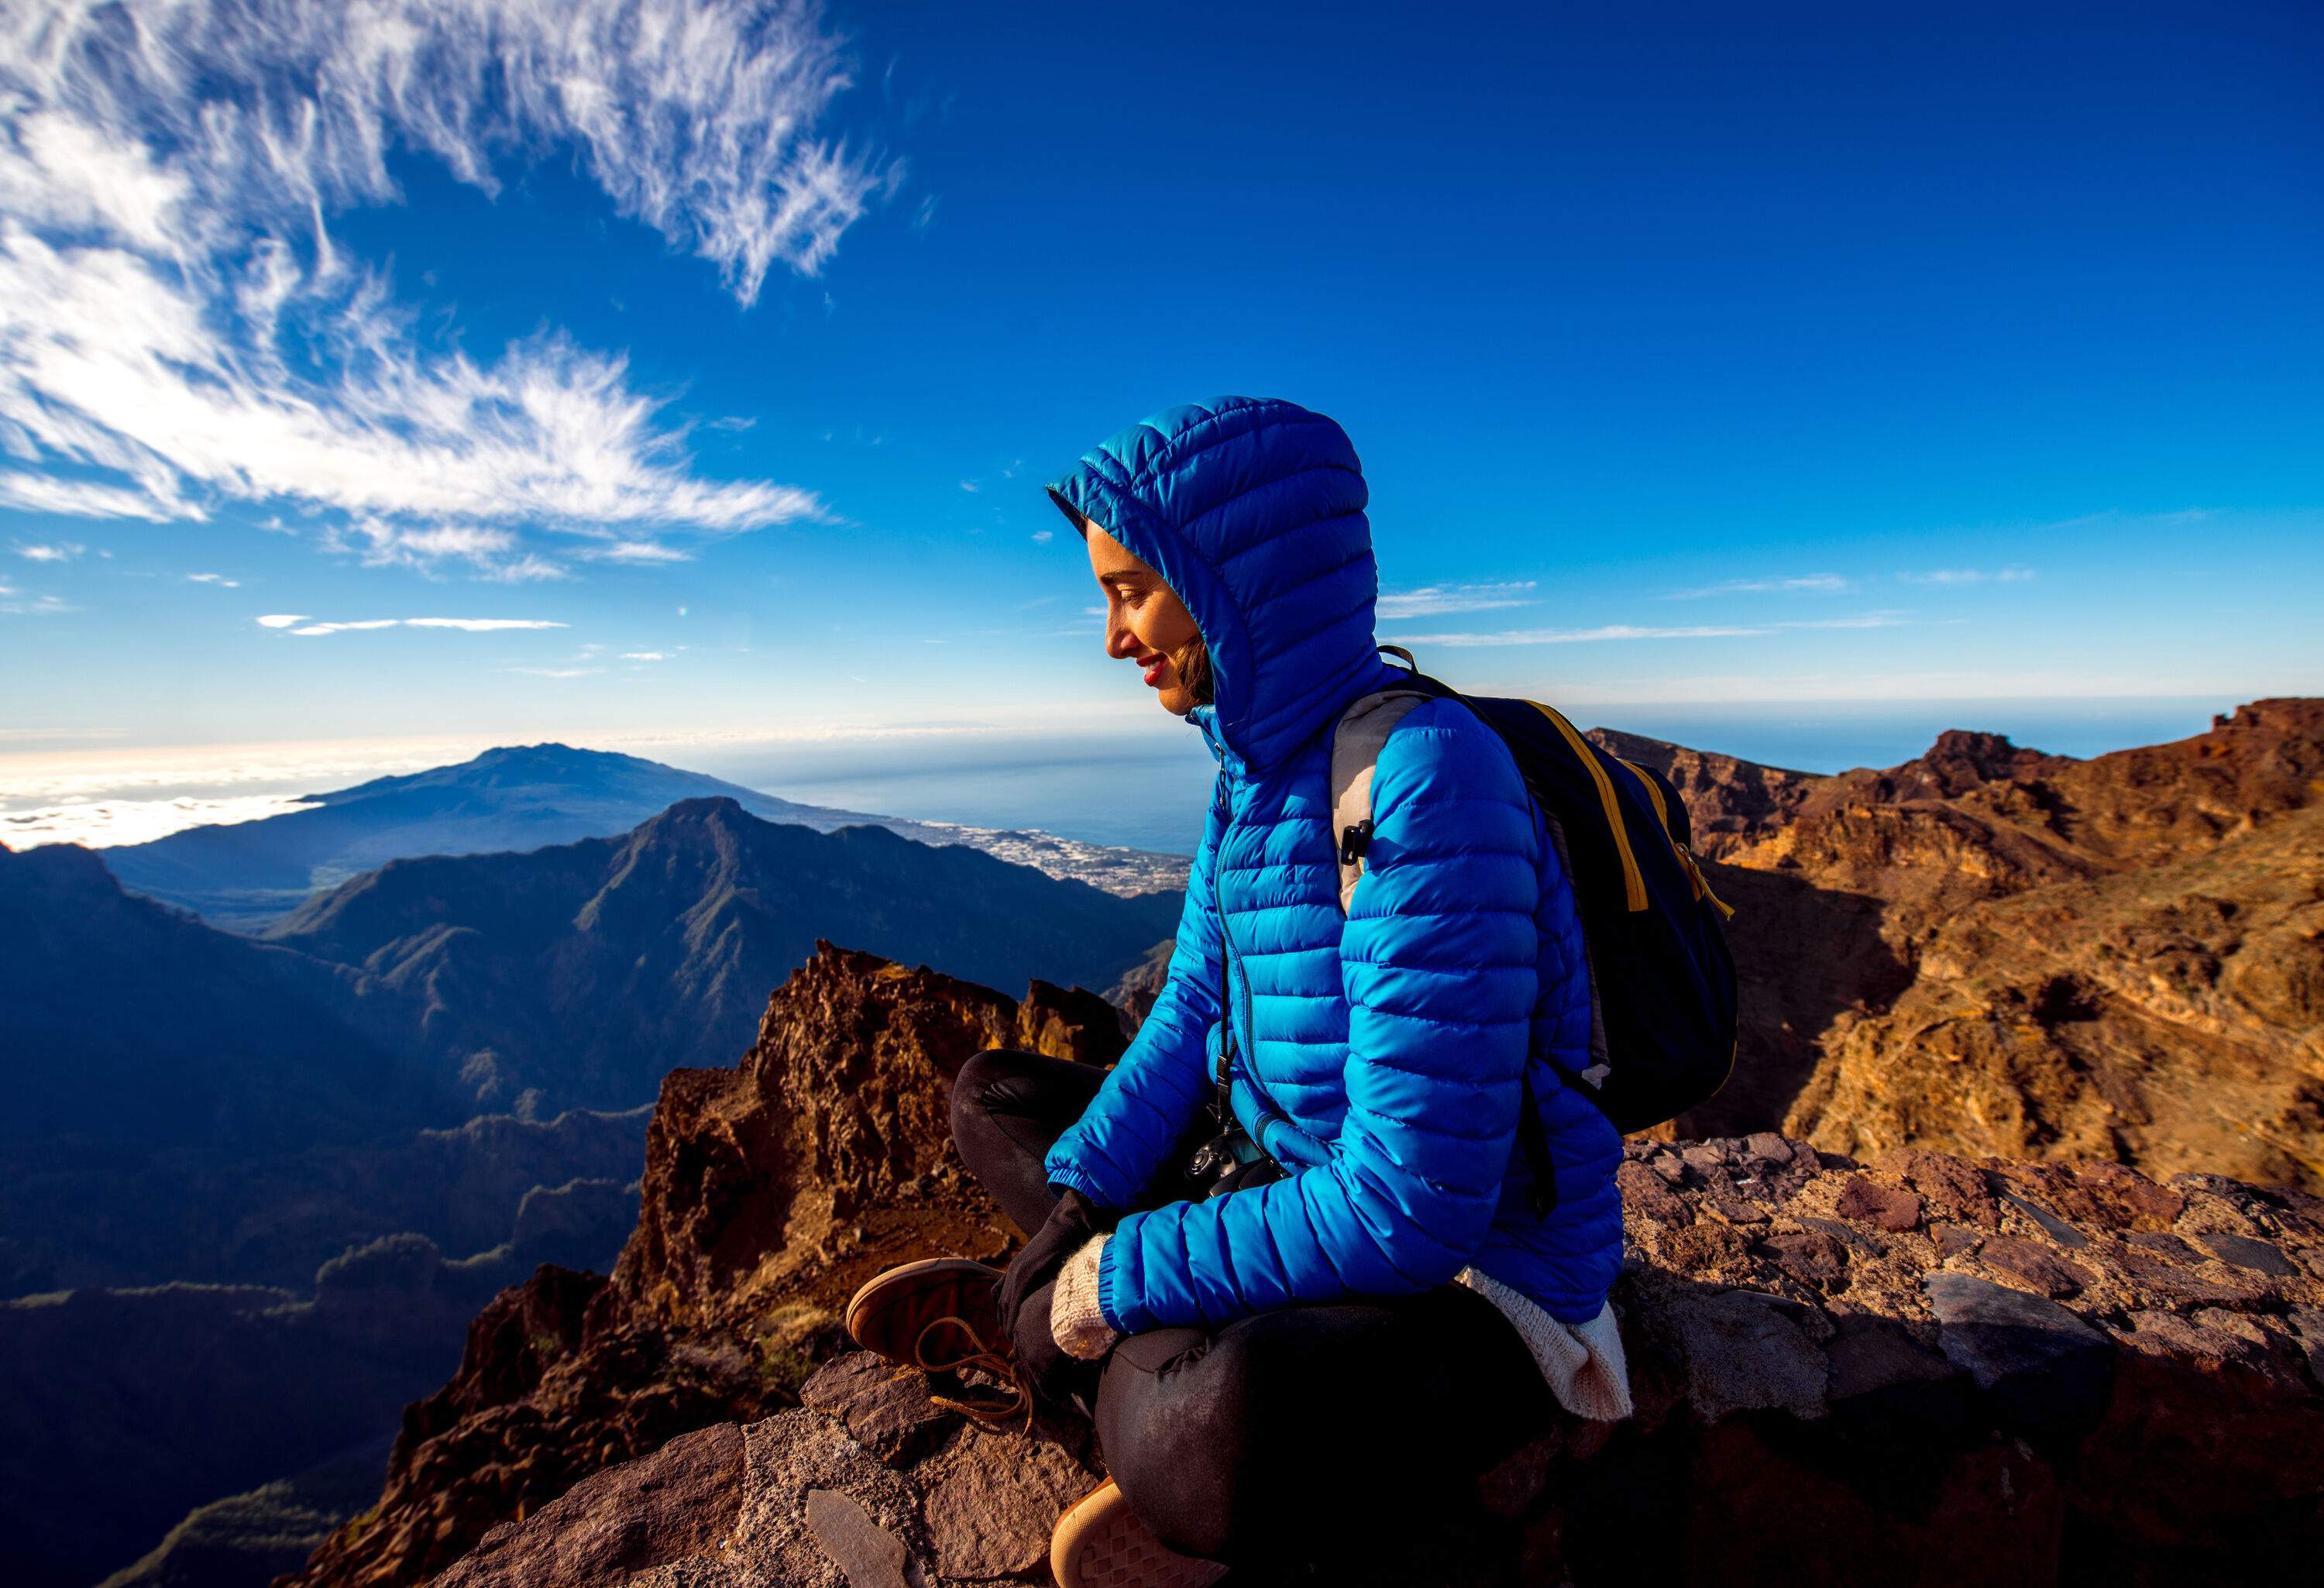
(582, 972)
(415, 1086)
(131, 1026)
(245, 875)
(158, 1052)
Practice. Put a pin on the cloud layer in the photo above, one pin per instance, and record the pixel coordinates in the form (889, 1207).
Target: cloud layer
(1434, 600)
(178, 328)
(296, 624)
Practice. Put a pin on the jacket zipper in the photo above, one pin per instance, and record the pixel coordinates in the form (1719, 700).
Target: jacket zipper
(1238, 985)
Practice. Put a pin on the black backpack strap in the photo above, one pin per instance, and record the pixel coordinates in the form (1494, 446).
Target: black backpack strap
(1533, 1142)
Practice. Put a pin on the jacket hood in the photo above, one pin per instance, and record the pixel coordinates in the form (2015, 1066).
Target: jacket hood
(1252, 511)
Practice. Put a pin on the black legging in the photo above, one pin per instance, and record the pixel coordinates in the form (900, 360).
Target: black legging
(1293, 1433)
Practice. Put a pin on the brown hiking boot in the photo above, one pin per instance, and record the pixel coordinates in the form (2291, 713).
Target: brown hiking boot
(942, 1314)
(1101, 1544)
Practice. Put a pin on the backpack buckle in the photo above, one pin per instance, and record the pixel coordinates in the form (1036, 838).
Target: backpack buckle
(1354, 840)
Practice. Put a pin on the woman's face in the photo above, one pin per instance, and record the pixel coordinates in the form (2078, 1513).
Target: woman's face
(1145, 621)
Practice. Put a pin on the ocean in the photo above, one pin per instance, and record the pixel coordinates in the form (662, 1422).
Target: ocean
(1101, 793)
(1145, 790)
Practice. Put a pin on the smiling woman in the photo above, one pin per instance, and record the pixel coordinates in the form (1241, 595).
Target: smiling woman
(1299, 1183)
(1147, 623)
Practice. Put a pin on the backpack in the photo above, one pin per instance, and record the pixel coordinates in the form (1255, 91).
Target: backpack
(1661, 979)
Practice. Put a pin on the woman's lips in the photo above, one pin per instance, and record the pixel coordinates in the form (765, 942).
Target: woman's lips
(1153, 671)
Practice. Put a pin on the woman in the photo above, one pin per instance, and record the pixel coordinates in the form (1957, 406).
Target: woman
(1354, 1302)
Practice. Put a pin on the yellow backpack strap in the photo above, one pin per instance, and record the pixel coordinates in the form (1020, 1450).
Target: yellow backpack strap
(1634, 886)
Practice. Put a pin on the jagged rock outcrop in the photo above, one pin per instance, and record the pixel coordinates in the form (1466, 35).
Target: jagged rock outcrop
(1923, 1366)
(1730, 802)
(1135, 993)
(2118, 958)
(771, 1190)
(1995, 950)
(2171, 1017)
(1927, 1369)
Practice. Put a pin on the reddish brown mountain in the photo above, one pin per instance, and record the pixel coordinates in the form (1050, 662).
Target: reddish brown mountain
(1996, 950)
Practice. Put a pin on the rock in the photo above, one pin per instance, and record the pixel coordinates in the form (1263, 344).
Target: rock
(2044, 959)
(1953, 1187)
(780, 1534)
(1744, 1353)
(1952, 1240)
(2307, 1324)
(992, 1500)
(1817, 1398)
(1881, 1206)
(2049, 1274)
(1650, 1194)
(1809, 1256)
(1876, 1356)
(1766, 1144)
(2169, 1245)
(889, 1413)
(2121, 1197)
(2167, 1334)
(675, 1504)
(870, 1555)
(2245, 1252)
(2167, 1282)
(2043, 1369)
(2056, 1228)
(1703, 1158)
(1846, 1234)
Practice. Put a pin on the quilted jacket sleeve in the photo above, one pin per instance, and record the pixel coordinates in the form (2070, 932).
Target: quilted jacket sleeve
(1145, 1104)
(1438, 967)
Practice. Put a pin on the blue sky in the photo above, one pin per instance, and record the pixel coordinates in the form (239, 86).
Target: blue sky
(1699, 356)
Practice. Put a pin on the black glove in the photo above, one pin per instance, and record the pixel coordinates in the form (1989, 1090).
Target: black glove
(1043, 1367)
(1072, 1224)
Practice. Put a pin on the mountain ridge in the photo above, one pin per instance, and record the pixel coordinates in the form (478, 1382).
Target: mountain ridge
(516, 798)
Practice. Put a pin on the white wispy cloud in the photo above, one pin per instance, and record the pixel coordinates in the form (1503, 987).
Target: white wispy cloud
(968, 486)
(636, 551)
(1434, 600)
(15, 605)
(1043, 537)
(1606, 631)
(176, 318)
(220, 580)
(76, 498)
(733, 421)
(1862, 620)
(1969, 575)
(645, 656)
(473, 625)
(488, 551)
(554, 673)
(52, 553)
(1792, 584)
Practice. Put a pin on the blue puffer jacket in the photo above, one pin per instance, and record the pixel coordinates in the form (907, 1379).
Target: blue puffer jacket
(1380, 1053)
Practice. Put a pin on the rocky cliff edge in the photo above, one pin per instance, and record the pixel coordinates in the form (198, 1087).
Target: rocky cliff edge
(1923, 1368)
